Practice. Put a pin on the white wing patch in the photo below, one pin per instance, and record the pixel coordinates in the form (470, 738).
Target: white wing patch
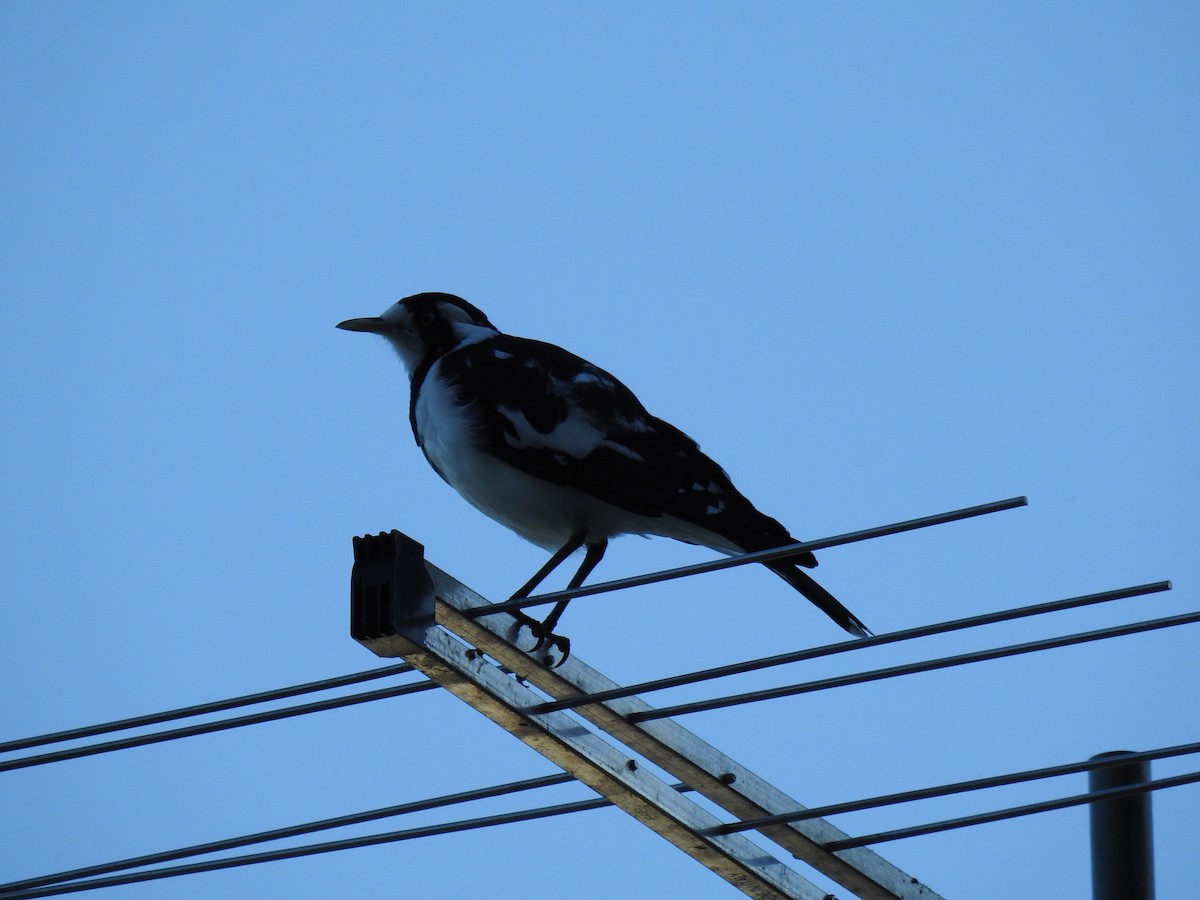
(588, 376)
(623, 450)
(712, 488)
(575, 435)
(580, 433)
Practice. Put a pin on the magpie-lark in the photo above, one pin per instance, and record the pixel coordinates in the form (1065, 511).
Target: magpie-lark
(564, 454)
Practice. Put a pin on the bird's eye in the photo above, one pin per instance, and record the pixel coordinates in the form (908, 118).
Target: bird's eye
(425, 319)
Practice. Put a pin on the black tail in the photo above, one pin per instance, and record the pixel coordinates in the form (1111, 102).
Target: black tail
(739, 524)
(823, 600)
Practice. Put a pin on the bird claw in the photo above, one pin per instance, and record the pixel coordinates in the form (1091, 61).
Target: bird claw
(534, 626)
(560, 643)
(545, 639)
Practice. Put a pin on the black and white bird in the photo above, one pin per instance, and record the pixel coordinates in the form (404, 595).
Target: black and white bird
(563, 453)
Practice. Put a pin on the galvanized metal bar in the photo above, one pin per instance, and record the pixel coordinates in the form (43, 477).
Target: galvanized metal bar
(611, 772)
(668, 745)
(746, 559)
(1121, 830)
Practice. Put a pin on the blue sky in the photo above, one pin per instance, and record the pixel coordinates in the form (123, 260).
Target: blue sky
(881, 260)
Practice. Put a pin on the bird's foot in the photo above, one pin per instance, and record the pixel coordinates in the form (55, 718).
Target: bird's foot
(545, 640)
(559, 643)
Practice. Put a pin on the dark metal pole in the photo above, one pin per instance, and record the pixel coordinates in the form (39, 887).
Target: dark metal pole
(1122, 839)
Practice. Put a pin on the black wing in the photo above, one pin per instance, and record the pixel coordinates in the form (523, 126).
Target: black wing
(557, 417)
(560, 418)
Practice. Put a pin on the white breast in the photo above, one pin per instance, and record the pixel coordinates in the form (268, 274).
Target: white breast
(538, 511)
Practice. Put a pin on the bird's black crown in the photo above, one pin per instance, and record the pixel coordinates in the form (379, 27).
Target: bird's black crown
(434, 302)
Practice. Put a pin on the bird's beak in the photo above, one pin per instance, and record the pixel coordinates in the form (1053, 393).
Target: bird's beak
(372, 324)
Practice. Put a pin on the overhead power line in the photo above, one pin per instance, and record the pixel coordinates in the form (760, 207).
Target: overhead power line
(855, 644)
(928, 665)
(1013, 812)
(959, 787)
(385, 671)
(74, 880)
(269, 715)
(746, 559)
(568, 703)
(201, 709)
(309, 849)
(498, 790)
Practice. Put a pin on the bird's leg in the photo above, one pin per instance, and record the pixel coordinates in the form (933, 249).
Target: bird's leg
(573, 543)
(591, 557)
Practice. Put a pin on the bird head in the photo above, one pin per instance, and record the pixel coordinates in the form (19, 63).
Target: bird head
(425, 326)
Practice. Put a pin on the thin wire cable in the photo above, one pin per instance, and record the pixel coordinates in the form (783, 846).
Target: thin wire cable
(260, 837)
(930, 665)
(1014, 811)
(959, 787)
(270, 715)
(747, 558)
(400, 690)
(357, 677)
(201, 709)
(920, 631)
(313, 849)
(307, 850)
(370, 674)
